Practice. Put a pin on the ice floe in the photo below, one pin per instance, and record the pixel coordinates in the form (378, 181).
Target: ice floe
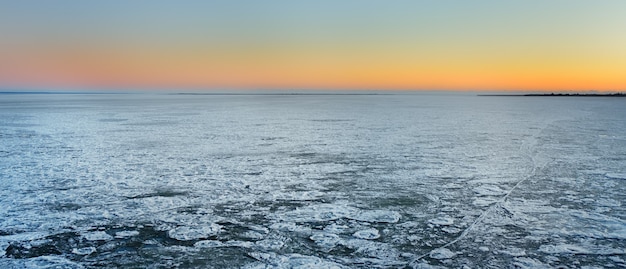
(41, 262)
(291, 261)
(84, 251)
(97, 236)
(367, 234)
(208, 244)
(330, 212)
(185, 233)
(125, 234)
(441, 254)
(442, 221)
(325, 240)
(492, 190)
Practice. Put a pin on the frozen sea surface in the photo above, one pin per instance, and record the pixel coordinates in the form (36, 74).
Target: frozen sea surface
(312, 181)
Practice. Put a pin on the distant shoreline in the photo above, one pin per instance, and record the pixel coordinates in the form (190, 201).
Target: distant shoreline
(54, 92)
(560, 95)
(620, 94)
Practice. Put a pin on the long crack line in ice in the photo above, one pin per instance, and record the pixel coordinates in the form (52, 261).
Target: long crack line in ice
(487, 212)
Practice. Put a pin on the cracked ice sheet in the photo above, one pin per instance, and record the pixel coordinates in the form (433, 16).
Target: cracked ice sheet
(311, 178)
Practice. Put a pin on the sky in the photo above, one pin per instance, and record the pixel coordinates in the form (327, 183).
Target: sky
(552, 45)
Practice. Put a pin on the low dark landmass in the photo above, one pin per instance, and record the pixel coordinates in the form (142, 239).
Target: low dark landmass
(563, 94)
(57, 92)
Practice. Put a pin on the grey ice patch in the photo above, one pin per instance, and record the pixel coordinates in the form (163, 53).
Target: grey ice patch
(489, 190)
(485, 201)
(373, 249)
(442, 221)
(442, 254)
(528, 263)
(424, 265)
(381, 216)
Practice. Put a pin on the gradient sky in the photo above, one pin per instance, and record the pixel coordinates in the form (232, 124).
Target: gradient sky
(286, 44)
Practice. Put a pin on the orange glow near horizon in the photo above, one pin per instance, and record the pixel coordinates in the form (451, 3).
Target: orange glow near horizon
(418, 46)
(101, 69)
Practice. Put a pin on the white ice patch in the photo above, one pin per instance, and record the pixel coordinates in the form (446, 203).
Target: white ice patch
(615, 175)
(368, 234)
(382, 216)
(617, 259)
(126, 234)
(451, 230)
(97, 236)
(563, 249)
(259, 229)
(208, 244)
(219, 244)
(292, 261)
(253, 235)
(185, 233)
(323, 212)
(291, 227)
(42, 262)
(442, 254)
(239, 244)
(330, 212)
(453, 186)
(528, 263)
(326, 241)
(334, 228)
(84, 251)
(299, 195)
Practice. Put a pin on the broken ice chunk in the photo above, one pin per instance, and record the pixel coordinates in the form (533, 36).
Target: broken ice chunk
(97, 236)
(186, 233)
(367, 234)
